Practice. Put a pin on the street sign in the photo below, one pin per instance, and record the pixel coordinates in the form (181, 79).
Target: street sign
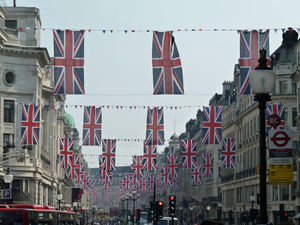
(280, 143)
(281, 174)
(274, 120)
(5, 193)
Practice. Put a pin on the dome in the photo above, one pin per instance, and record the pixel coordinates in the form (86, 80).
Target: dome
(69, 120)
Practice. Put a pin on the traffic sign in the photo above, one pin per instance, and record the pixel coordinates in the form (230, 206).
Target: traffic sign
(280, 143)
(5, 193)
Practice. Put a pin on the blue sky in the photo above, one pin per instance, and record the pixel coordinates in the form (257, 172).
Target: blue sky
(118, 66)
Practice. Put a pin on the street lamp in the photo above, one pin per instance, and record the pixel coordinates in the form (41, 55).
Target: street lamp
(74, 206)
(262, 81)
(133, 205)
(59, 198)
(8, 179)
(208, 209)
(127, 199)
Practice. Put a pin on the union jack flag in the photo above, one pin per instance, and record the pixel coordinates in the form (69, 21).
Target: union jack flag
(155, 126)
(84, 180)
(109, 154)
(143, 184)
(196, 174)
(149, 157)
(137, 165)
(68, 62)
(250, 44)
(126, 181)
(107, 179)
(189, 153)
(74, 165)
(65, 150)
(80, 172)
(228, 153)
(208, 165)
(167, 69)
(92, 123)
(212, 125)
(172, 165)
(30, 125)
(174, 183)
(275, 109)
(152, 181)
(165, 176)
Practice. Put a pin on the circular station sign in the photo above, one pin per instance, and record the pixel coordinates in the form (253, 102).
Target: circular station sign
(274, 120)
(280, 138)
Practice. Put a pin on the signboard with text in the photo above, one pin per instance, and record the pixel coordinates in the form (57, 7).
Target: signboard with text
(281, 174)
(280, 143)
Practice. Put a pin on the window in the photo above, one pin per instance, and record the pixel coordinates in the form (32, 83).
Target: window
(294, 115)
(285, 113)
(8, 142)
(294, 88)
(9, 111)
(284, 192)
(283, 88)
(9, 78)
(11, 24)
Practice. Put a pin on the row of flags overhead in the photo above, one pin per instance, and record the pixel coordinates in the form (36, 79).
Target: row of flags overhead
(92, 125)
(166, 63)
(76, 169)
(125, 31)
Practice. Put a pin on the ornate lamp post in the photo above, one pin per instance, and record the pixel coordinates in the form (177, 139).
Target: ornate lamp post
(8, 179)
(262, 81)
(59, 198)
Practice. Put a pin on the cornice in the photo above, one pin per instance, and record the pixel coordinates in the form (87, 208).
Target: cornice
(41, 54)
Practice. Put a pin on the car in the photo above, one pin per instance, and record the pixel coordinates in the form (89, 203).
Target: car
(167, 221)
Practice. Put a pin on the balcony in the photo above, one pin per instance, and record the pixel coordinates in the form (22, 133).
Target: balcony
(227, 178)
(246, 173)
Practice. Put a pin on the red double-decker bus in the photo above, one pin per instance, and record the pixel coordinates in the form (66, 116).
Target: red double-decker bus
(29, 214)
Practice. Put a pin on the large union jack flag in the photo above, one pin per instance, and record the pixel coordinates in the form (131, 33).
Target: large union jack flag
(149, 157)
(189, 153)
(137, 165)
(92, 122)
(109, 154)
(196, 174)
(250, 44)
(212, 125)
(30, 125)
(208, 165)
(172, 165)
(155, 126)
(275, 109)
(65, 151)
(167, 69)
(228, 153)
(68, 62)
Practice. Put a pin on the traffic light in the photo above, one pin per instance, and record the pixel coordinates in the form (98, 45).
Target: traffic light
(172, 204)
(283, 213)
(151, 212)
(131, 218)
(138, 215)
(159, 209)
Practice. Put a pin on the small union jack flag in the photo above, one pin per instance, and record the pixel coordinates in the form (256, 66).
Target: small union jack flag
(92, 123)
(65, 150)
(174, 183)
(189, 153)
(155, 126)
(137, 165)
(149, 157)
(250, 44)
(126, 181)
(109, 154)
(208, 165)
(143, 184)
(80, 172)
(152, 181)
(196, 174)
(68, 62)
(74, 165)
(167, 69)
(30, 125)
(165, 176)
(84, 180)
(212, 125)
(228, 153)
(172, 165)
(275, 109)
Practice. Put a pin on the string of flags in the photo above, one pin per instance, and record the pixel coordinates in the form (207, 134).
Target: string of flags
(126, 31)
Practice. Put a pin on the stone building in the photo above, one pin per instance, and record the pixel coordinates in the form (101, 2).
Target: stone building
(240, 186)
(27, 78)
